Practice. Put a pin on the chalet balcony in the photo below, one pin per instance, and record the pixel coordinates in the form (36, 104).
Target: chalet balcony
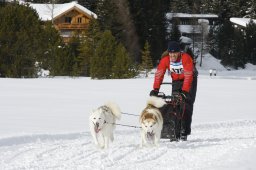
(196, 29)
(68, 26)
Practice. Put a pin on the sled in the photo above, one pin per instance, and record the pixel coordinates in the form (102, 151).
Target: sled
(172, 112)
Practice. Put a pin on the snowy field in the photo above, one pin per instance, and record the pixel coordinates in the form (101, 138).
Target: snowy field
(44, 125)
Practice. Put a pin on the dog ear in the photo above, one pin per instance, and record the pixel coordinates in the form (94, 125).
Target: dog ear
(92, 112)
(142, 118)
(155, 117)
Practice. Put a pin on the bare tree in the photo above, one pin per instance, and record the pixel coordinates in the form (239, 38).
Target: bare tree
(204, 32)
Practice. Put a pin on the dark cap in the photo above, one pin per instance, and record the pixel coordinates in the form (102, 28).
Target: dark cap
(173, 46)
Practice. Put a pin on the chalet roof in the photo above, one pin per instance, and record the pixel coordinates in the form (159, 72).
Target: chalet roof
(45, 11)
(185, 15)
(186, 40)
(241, 21)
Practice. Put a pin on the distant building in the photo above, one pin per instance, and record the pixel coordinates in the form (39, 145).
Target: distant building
(241, 22)
(190, 25)
(67, 18)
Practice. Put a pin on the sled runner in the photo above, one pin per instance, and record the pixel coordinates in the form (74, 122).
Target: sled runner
(173, 112)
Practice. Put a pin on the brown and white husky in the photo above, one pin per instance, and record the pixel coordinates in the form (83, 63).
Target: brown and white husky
(151, 121)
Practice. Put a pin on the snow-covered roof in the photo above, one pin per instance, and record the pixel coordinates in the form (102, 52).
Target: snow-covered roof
(242, 21)
(185, 15)
(186, 40)
(45, 10)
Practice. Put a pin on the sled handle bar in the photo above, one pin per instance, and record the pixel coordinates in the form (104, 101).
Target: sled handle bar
(163, 96)
(166, 83)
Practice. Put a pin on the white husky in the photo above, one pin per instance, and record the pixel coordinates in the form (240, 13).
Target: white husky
(151, 121)
(102, 123)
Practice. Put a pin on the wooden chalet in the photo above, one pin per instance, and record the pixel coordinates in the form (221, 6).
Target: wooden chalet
(67, 18)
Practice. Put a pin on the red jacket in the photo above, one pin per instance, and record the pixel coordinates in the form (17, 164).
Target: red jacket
(182, 69)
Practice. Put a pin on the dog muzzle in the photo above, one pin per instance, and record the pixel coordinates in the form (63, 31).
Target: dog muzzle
(150, 135)
(96, 127)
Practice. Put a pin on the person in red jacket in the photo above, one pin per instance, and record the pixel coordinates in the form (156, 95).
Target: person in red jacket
(184, 80)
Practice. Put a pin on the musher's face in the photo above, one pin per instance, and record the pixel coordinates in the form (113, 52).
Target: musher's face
(174, 56)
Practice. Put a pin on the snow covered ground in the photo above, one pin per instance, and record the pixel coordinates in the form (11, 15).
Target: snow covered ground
(44, 124)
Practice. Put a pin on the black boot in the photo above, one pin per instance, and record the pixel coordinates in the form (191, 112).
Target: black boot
(165, 133)
(183, 133)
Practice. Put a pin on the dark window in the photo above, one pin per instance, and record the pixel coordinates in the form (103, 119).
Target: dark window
(79, 20)
(68, 19)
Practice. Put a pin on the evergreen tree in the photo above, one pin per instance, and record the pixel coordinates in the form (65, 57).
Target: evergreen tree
(237, 50)
(250, 32)
(128, 37)
(212, 41)
(225, 33)
(250, 8)
(55, 56)
(231, 46)
(102, 61)
(150, 24)
(53, 50)
(178, 6)
(87, 48)
(146, 64)
(122, 64)
(65, 56)
(20, 35)
(107, 13)
(114, 15)
(89, 4)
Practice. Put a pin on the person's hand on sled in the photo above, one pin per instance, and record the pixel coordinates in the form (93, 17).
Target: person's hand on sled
(184, 95)
(154, 92)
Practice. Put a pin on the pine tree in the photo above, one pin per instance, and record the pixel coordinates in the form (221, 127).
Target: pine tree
(238, 55)
(19, 41)
(102, 60)
(250, 8)
(128, 37)
(250, 32)
(180, 6)
(231, 46)
(225, 34)
(54, 50)
(150, 24)
(107, 13)
(87, 48)
(122, 64)
(55, 56)
(212, 40)
(146, 64)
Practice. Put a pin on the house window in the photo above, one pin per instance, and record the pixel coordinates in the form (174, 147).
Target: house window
(185, 22)
(79, 20)
(68, 19)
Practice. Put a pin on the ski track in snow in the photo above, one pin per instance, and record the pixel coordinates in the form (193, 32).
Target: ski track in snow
(208, 147)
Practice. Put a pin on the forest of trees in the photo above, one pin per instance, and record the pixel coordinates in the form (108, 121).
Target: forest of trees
(116, 44)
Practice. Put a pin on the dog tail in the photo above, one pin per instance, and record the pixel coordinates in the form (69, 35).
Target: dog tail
(115, 109)
(156, 102)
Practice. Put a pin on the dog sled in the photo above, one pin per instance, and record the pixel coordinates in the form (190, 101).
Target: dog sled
(173, 113)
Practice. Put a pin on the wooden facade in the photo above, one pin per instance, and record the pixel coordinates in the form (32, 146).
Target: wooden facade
(67, 18)
(71, 21)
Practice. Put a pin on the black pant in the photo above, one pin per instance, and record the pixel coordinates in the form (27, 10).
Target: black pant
(189, 105)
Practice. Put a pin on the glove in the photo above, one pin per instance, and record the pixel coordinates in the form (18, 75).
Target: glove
(184, 95)
(154, 92)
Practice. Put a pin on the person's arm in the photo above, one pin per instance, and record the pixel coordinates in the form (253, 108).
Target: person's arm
(187, 63)
(159, 75)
